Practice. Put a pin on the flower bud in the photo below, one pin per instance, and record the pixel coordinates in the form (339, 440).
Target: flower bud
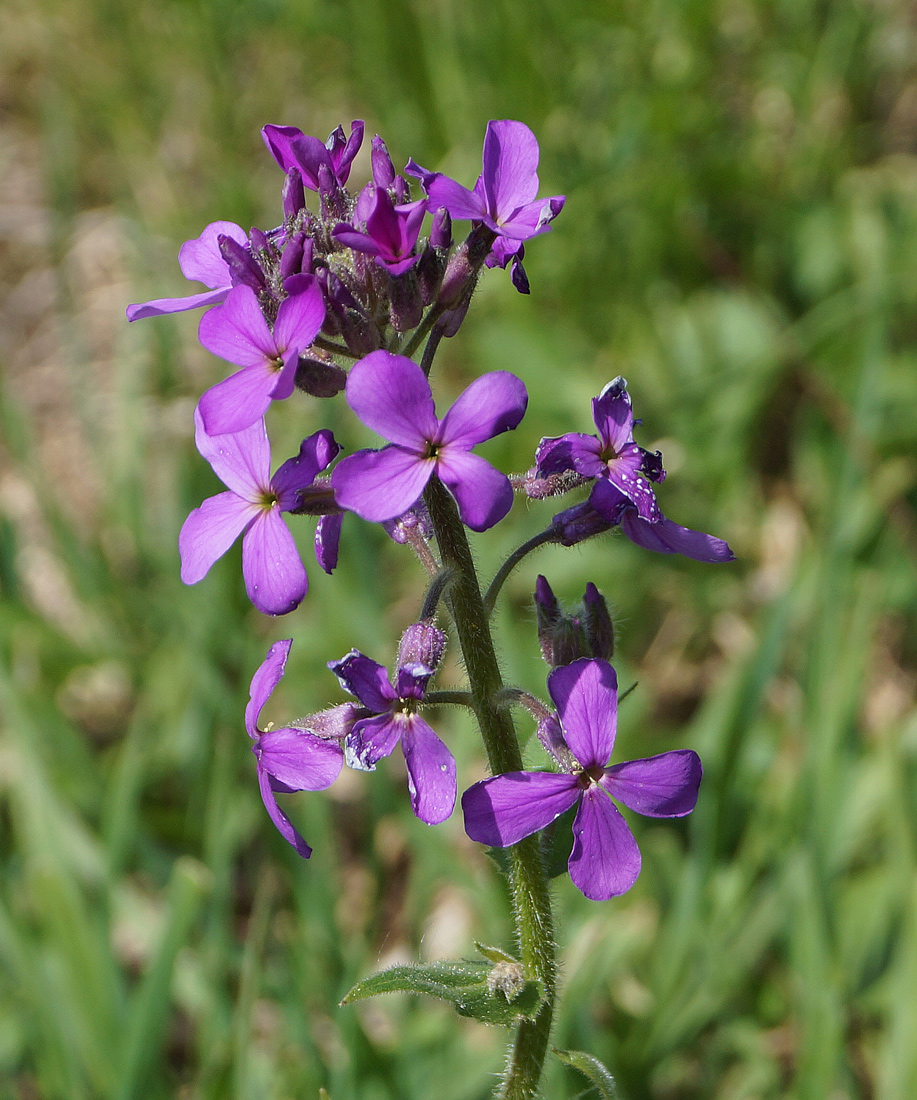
(333, 724)
(243, 267)
(564, 637)
(319, 377)
(383, 169)
(294, 195)
(422, 644)
(405, 305)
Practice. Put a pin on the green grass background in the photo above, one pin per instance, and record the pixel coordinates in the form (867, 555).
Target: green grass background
(740, 241)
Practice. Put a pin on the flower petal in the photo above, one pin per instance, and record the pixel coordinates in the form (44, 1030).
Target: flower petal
(327, 541)
(201, 259)
(613, 415)
(586, 696)
(300, 760)
(666, 537)
(237, 331)
(239, 400)
(242, 460)
(510, 176)
(445, 193)
(431, 772)
(315, 454)
(160, 306)
(301, 315)
(210, 530)
(381, 485)
(657, 786)
(605, 860)
(391, 395)
(274, 575)
(366, 679)
(492, 404)
(264, 681)
(371, 739)
(502, 810)
(484, 494)
(280, 819)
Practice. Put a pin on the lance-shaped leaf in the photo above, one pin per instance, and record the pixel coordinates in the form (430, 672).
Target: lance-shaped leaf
(465, 983)
(593, 1069)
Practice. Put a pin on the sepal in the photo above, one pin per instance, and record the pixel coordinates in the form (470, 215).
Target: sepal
(601, 1079)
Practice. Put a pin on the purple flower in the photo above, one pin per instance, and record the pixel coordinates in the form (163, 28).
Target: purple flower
(274, 575)
(238, 332)
(200, 259)
(430, 765)
(289, 759)
(291, 148)
(503, 197)
(608, 507)
(391, 232)
(391, 395)
(612, 454)
(605, 860)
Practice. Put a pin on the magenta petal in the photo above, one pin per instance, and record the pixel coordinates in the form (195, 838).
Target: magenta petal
(300, 760)
(483, 494)
(492, 404)
(237, 331)
(327, 541)
(613, 415)
(658, 786)
(605, 860)
(264, 681)
(210, 530)
(300, 316)
(666, 537)
(366, 679)
(533, 219)
(274, 575)
(201, 259)
(315, 454)
(280, 819)
(371, 739)
(380, 485)
(503, 810)
(238, 401)
(242, 461)
(160, 306)
(510, 158)
(431, 772)
(586, 696)
(391, 395)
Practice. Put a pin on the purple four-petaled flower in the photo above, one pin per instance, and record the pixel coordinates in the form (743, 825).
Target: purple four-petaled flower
(289, 759)
(238, 332)
(391, 395)
(274, 575)
(430, 765)
(316, 163)
(612, 454)
(605, 860)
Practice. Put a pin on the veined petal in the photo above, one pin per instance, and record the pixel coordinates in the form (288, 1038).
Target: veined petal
(366, 679)
(666, 537)
(237, 331)
(483, 494)
(492, 404)
(159, 306)
(574, 451)
(613, 415)
(371, 739)
(327, 541)
(264, 681)
(380, 485)
(301, 315)
(532, 219)
(315, 454)
(445, 193)
(605, 860)
(280, 819)
(503, 810)
(242, 461)
(586, 696)
(510, 175)
(210, 530)
(391, 395)
(657, 786)
(431, 772)
(201, 259)
(275, 579)
(623, 472)
(300, 760)
(239, 400)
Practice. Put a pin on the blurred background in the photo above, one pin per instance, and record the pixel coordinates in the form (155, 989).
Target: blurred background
(740, 241)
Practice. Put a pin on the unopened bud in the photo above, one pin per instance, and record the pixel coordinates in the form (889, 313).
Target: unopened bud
(319, 377)
(564, 637)
(405, 305)
(422, 644)
(294, 196)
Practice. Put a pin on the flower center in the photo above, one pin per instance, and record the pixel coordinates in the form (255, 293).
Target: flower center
(267, 499)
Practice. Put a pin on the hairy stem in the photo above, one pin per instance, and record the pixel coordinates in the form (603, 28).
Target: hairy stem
(543, 537)
(528, 877)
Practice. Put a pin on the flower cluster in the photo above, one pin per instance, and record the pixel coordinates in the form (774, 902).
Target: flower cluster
(337, 298)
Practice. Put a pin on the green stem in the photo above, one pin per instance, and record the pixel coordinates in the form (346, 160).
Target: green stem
(548, 535)
(528, 877)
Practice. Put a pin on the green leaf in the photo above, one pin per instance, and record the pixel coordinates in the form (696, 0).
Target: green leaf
(495, 954)
(593, 1069)
(493, 994)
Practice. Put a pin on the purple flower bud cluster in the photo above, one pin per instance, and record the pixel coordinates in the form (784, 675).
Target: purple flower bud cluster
(336, 299)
